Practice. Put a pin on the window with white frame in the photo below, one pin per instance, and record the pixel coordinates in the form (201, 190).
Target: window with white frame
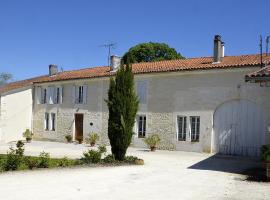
(195, 128)
(49, 95)
(52, 121)
(141, 126)
(46, 121)
(142, 91)
(80, 94)
(182, 128)
(49, 121)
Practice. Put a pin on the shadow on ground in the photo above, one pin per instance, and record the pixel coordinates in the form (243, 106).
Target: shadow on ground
(230, 164)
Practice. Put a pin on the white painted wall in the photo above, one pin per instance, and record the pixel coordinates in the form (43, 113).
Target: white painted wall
(15, 114)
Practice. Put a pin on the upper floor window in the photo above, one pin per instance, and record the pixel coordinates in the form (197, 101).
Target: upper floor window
(142, 91)
(80, 94)
(49, 95)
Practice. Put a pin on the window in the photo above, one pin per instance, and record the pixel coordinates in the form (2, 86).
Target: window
(80, 94)
(182, 128)
(142, 91)
(141, 126)
(195, 128)
(80, 97)
(52, 121)
(46, 122)
(44, 96)
(57, 95)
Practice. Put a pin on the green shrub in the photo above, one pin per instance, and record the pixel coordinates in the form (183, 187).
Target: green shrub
(152, 141)
(91, 156)
(109, 159)
(131, 159)
(64, 162)
(31, 162)
(265, 153)
(92, 139)
(12, 161)
(68, 138)
(19, 148)
(43, 160)
(102, 149)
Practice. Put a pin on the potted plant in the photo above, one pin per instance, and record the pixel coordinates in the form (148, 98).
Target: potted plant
(79, 139)
(68, 138)
(92, 139)
(152, 141)
(27, 134)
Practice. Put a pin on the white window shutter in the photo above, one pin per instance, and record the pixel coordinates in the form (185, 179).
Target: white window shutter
(74, 94)
(142, 91)
(85, 88)
(42, 95)
(38, 95)
(60, 95)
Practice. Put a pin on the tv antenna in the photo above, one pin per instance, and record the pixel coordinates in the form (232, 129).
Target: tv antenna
(267, 43)
(110, 46)
(261, 50)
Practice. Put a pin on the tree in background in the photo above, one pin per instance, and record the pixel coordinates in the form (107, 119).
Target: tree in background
(4, 78)
(149, 52)
(123, 105)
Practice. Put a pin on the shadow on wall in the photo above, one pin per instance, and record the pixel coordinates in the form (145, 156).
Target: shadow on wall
(230, 164)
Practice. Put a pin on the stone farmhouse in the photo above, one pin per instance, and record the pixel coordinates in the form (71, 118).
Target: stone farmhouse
(205, 104)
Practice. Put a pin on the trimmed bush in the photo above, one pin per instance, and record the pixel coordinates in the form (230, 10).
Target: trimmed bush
(43, 160)
(31, 162)
(109, 159)
(91, 156)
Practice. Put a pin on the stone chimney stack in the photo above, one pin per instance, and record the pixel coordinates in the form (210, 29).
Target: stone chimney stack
(115, 62)
(218, 49)
(53, 70)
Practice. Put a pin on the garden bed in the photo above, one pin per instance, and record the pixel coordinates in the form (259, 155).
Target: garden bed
(15, 160)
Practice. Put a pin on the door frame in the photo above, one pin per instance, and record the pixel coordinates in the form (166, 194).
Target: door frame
(74, 127)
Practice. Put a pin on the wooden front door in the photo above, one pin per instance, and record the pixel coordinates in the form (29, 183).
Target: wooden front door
(79, 127)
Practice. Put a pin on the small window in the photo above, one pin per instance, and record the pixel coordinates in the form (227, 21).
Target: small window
(52, 121)
(195, 128)
(182, 128)
(141, 126)
(80, 96)
(46, 122)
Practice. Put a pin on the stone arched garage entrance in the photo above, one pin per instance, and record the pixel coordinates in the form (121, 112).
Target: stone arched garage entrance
(239, 128)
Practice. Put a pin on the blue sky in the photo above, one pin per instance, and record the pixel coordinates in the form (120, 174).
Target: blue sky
(36, 33)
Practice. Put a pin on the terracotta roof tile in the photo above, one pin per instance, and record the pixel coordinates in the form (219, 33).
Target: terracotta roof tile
(163, 66)
(20, 84)
(201, 63)
(263, 72)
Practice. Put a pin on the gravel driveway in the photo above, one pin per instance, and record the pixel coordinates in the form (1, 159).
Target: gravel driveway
(166, 175)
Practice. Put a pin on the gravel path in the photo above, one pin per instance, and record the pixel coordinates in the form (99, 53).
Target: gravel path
(165, 175)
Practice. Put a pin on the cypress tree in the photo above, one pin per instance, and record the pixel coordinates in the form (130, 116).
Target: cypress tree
(123, 105)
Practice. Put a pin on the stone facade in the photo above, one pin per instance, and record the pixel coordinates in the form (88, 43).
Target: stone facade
(193, 93)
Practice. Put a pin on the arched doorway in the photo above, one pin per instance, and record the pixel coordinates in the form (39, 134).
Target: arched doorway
(239, 128)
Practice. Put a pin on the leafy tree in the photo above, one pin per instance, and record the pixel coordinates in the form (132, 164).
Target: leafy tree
(4, 78)
(148, 52)
(123, 105)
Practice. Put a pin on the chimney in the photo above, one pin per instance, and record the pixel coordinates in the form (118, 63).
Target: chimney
(115, 62)
(218, 49)
(53, 70)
